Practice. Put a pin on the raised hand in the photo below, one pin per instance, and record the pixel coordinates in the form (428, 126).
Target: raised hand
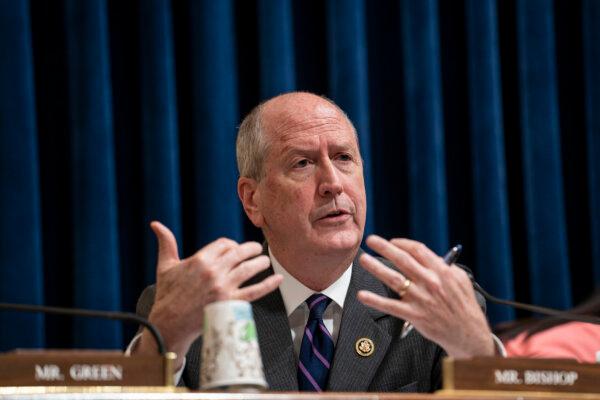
(185, 287)
(439, 300)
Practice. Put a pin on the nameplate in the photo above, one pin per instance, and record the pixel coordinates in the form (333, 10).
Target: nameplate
(83, 368)
(520, 374)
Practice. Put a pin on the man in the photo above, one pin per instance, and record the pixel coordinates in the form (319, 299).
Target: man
(301, 181)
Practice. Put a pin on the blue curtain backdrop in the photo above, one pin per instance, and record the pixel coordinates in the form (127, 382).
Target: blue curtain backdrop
(479, 122)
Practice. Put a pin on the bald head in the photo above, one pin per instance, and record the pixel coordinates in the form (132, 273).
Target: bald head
(277, 116)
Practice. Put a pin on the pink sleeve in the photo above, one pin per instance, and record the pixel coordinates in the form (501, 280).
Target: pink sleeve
(571, 340)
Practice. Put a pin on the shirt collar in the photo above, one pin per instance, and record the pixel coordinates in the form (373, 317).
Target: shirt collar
(294, 293)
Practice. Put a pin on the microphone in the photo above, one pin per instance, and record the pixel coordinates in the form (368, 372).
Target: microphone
(78, 312)
(452, 256)
(537, 309)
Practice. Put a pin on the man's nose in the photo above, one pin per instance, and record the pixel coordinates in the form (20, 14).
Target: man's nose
(330, 181)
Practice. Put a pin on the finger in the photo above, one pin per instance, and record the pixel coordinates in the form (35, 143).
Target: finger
(258, 290)
(400, 259)
(167, 246)
(209, 253)
(384, 304)
(248, 269)
(393, 279)
(463, 283)
(421, 253)
(240, 253)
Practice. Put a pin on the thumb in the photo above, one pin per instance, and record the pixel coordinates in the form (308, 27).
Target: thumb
(167, 245)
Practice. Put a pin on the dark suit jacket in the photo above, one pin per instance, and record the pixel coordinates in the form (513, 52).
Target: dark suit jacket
(412, 364)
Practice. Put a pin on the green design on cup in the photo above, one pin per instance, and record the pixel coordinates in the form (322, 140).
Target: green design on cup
(249, 332)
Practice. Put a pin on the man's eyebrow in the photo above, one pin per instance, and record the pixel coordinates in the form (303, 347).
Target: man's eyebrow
(288, 151)
(349, 146)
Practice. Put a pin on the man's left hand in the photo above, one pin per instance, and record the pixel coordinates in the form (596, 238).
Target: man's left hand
(439, 299)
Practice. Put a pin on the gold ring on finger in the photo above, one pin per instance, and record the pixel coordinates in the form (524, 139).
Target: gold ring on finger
(404, 288)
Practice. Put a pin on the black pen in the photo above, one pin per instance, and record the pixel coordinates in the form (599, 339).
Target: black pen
(450, 258)
(453, 254)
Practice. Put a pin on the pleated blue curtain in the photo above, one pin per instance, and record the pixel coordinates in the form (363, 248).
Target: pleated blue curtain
(276, 40)
(542, 172)
(424, 123)
(591, 55)
(114, 114)
(214, 110)
(21, 269)
(93, 175)
(490, 202)
(160, 144)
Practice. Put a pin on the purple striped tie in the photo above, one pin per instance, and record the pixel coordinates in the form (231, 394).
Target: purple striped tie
(316, 351)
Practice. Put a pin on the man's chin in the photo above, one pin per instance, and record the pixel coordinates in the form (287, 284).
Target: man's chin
(339, 242)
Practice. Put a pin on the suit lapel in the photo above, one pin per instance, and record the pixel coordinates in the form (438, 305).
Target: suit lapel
(275, 340)
(350, 371)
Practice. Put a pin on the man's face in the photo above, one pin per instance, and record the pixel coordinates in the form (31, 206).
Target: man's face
(312, 195)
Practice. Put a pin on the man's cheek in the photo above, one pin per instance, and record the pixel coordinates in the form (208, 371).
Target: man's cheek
(287, 193)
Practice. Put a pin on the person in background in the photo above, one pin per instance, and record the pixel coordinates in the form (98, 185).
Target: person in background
(554, 337)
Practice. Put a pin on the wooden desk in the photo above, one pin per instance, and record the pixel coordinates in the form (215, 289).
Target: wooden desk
(119, 393)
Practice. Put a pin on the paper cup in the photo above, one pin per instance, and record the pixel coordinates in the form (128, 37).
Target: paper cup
(230, 352)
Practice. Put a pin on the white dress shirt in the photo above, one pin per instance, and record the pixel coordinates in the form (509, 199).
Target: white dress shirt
(294, 295)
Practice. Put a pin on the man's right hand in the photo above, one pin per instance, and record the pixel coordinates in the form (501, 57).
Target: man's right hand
(185, 287)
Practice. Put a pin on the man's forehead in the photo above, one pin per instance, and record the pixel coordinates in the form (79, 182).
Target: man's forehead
(297, 107)
(311, 141)
(289, 116)
(295, 101)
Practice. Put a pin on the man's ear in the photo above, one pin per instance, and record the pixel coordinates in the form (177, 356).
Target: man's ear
(249, 194)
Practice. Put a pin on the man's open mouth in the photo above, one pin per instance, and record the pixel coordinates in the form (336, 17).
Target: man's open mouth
(334, 214)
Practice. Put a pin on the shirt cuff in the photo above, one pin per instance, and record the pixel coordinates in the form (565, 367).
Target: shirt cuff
(176, 376)
(499, 346)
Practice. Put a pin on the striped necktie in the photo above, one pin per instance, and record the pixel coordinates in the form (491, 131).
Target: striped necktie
(316, 351)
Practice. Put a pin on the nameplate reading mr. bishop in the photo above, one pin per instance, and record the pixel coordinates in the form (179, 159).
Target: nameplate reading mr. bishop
(535, 377)
(521, 374)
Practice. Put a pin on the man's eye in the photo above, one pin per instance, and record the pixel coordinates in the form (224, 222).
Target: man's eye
(344, 157)
(301, 163)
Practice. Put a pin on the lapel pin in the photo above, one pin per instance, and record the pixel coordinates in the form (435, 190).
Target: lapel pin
(365, 347)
